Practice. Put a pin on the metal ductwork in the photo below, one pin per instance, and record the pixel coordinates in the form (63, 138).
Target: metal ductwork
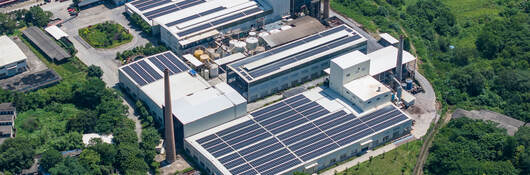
(168, 122)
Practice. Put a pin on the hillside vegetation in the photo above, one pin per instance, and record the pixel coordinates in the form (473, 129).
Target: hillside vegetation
(474, 52)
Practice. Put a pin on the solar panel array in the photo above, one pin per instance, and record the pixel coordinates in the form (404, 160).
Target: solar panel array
(148, 4)
(217, 22)
(293, 57)
(142, 73)
(290, 132)
(172, 8)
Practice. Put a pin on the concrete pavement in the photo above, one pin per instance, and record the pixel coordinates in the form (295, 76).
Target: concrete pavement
(364, 157)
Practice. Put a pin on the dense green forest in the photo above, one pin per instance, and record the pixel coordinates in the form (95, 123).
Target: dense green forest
(53, 119)
(35, 16)
(476, 53)
(467, 146)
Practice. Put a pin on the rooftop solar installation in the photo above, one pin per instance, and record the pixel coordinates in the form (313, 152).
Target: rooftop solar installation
(267, 62)
(172, 8)
(290, 132)
(143, 73)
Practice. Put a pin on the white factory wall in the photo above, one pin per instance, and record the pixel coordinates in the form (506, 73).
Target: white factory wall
(370, 103)
(214, 120)
(280, 8)
(133, 90)
(13, 68)
(340, 76)
(204, 162)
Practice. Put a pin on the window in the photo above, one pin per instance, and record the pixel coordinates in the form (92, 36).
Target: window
(369, 102)
(347, 75)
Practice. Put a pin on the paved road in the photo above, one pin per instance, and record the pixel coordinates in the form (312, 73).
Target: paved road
(372, 42)
(103, 58)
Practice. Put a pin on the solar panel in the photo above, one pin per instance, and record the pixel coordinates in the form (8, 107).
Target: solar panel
(217, 147)
(351, 131)
(159, 65)
(211, 11)
(137, 2)
(269, 157)
(382, 118)
(229, 18)
(266, 109)
(236, 127)
(211, 143)
(158, 11)
(222, 152)
(250, 172)
(142, 73)
(207, 138)
(240, 169)
(258, 146)
(295, 131)
(194, 29)
(337, 122)
(134, 76)
(306, 106)
(252, 11)
(308, 141)
(282, 167)
(246, 135)
(150, 70)
(152, 5)
(293, 99)
(275, 162)
(171, 24)
(286, 115)
(390, 122)
(301, 136)
(229, 158)
(185, 6)
(289, 125)
(332, 31)
(272, 113)
(177, 62)
(168, 64)
(317, 114)
(299, 103)
(320, 151)
(377, 113)
(234, 163)
(355, 137)
(313, 146)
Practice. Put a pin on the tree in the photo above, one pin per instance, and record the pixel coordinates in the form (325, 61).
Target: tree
(150, 139)
(69, 166)
(107, 153)
(50, 158)
(37, 16)
(89, 93)
(94, 71)
(16, 154)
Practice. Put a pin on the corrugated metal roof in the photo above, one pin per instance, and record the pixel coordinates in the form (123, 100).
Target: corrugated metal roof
(302, 27)
(10, 51)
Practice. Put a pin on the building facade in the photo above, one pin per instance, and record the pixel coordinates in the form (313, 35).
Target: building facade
(7, 121)
(12, 59)
(291, 64)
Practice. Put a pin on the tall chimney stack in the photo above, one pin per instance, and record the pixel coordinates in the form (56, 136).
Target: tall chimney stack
(168, 122)
(399, 65)
(326, 9)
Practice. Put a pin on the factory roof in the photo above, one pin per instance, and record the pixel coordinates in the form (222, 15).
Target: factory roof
(148, 70)
(192, 60)
(11, 53)
(46, 44)
(301, 27)
(366, 88)
(297, 53)
(206, 102)
(389, 38)
(350, 59)
(193, 20)
(291, 133)
(7, 107)
(56, 32)
(230, 58)
(386, 59)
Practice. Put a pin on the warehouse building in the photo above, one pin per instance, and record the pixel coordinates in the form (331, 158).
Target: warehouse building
(196, 105)
(8, 114)
(12, 59)
(47, 45)
(291, 64)
(304, 133)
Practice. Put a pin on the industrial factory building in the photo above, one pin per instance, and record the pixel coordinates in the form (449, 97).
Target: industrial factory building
(196, 104)
(291, 64)
(12, 59)
(308, 132)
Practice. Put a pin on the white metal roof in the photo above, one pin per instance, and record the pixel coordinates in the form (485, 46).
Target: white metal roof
(386, 58)
(350, 59)
(366, 87)
(206, 102)
(389, 38)
(10, 52)
(194, 61)
(230, 58)
(56, 32)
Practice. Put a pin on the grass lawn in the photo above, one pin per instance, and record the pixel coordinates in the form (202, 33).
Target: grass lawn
(105, 35)
(398, 161)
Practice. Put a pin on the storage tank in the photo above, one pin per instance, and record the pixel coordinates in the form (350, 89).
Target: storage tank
(239, 47)
(232, 43)
(408, 85)
(214, 70)
(198, 53)
(252, 34)
(204, 58)
(252, 43)
(206, 74)
(260, 37)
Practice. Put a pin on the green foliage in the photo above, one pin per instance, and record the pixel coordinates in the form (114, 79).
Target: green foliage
(50, 158)
(137, 21)
(146, 50)
(38, 17)
(69, 166)
(20, 18)
(16, 154)
(488, 65)
(466, 146)
(105, 35)
(94, 71)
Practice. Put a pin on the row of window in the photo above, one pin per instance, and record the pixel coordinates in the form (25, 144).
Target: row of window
(7, 112)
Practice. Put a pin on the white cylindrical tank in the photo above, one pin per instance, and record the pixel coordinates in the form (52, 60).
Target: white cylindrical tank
(239, 47)
(214, 70)
(206, 74)
(204, 58)
(232, 43)
(252, 34)
(252, 43)
(286, 27)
